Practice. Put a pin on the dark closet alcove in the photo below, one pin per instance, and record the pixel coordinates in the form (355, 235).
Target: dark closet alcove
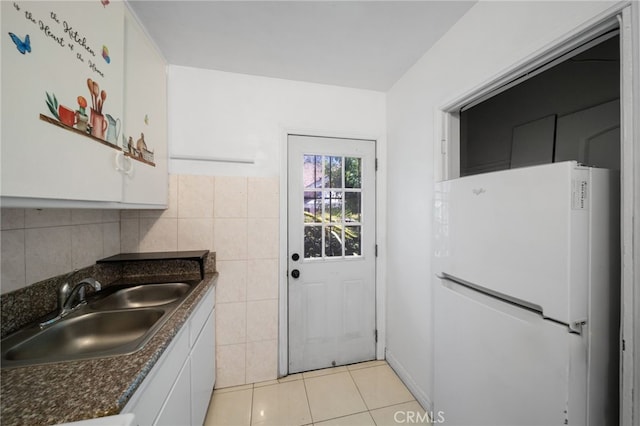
(570, 111)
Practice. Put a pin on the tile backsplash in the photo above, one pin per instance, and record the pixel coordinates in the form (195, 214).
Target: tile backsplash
(37, 244)
(236, 217)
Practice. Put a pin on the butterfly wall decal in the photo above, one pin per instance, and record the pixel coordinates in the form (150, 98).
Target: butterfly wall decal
(22, 46)
(105, 54)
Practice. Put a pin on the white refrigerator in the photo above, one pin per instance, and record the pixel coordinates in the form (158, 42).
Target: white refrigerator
(526, 297)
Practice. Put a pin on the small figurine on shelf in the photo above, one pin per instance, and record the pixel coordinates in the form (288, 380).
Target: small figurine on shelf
(82, 120)
(141, 145)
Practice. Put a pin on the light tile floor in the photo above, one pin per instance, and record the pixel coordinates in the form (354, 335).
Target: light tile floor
(369, 393)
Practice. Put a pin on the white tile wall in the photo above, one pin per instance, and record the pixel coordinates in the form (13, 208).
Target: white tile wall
(262, 279)
(40, 243)
(195, 196)
(232, 283)
(13, 260)
(87, 244)
(158, 234)
(262, 320)
(264, 197)
(195, 233)
(262, 359)
(230, 238)
(231, 323)
(231, 197)
(237, 217)
(263, 238)
(230, 364)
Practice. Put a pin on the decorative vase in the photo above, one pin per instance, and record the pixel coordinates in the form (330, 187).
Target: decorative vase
(98, 124)
(82, 122)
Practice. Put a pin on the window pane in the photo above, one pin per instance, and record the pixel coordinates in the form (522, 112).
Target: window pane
(333, 241)
(352, 172)
(352, 240)
(333, 206)
(333, 172)
(312, 206)
(312, 241)
(352, 207)
(312, 171)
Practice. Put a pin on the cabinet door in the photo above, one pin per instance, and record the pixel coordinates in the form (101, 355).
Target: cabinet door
(55, 51)
(144, 129)
(203, 368)
(176, 407)
(150, 398)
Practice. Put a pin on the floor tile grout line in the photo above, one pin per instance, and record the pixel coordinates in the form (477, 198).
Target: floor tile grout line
(359, 391)
(251, 407)
(348, 415)
(306, 394)
(397, 403)
(368, 366)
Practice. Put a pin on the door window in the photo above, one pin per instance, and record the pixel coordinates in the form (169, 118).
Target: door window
(332, 206)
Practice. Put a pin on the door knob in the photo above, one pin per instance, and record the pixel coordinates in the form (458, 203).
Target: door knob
(295, 273)
(295, 257)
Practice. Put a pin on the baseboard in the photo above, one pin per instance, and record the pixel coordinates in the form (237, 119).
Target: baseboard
(406, 378)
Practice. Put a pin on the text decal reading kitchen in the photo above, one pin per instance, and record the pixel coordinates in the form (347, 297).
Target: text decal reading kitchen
(65, 35)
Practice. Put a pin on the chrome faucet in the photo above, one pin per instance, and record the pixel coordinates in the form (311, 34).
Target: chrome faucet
(66, 297)
(71, 299)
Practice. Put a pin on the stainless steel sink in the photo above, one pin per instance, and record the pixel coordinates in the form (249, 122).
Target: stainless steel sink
(116, 321)
(142, 296)
(85, 334)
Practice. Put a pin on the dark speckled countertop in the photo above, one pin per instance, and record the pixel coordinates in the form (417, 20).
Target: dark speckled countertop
(78, 390)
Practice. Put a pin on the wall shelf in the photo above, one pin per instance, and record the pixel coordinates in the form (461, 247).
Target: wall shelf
(60, 124)
(193, 255)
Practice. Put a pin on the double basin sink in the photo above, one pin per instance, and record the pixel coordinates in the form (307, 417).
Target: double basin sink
(117, 320)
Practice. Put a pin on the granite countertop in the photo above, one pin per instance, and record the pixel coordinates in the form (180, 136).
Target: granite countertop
(78, 390)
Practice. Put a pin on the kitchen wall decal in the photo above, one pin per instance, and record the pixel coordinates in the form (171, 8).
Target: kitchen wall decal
(139, 149)
(22, 46)
(105, 54)
(77, 67)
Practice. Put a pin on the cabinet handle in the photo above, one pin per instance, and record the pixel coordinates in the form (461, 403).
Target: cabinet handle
(120, 160)
(119, 155)
(129, 171)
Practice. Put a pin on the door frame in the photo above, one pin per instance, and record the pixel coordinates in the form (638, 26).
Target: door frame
(447, 158)
(380, 206)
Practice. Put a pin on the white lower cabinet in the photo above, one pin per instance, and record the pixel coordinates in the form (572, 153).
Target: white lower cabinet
(203, 369)
(176, 408)
(177, 390)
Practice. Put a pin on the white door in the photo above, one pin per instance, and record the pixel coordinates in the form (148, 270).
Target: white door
(331, 252)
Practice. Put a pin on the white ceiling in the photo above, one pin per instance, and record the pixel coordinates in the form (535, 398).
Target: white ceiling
(360, 44)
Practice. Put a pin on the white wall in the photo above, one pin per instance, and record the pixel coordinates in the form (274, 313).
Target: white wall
(241, 117)
(490, 38)
(242, 206)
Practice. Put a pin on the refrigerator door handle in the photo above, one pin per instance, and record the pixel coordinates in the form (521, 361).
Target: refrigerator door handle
(495, 294)
(575, 327)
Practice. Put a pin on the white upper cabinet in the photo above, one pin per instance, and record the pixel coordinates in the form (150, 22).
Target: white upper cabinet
(145, 119)
(64, 100)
